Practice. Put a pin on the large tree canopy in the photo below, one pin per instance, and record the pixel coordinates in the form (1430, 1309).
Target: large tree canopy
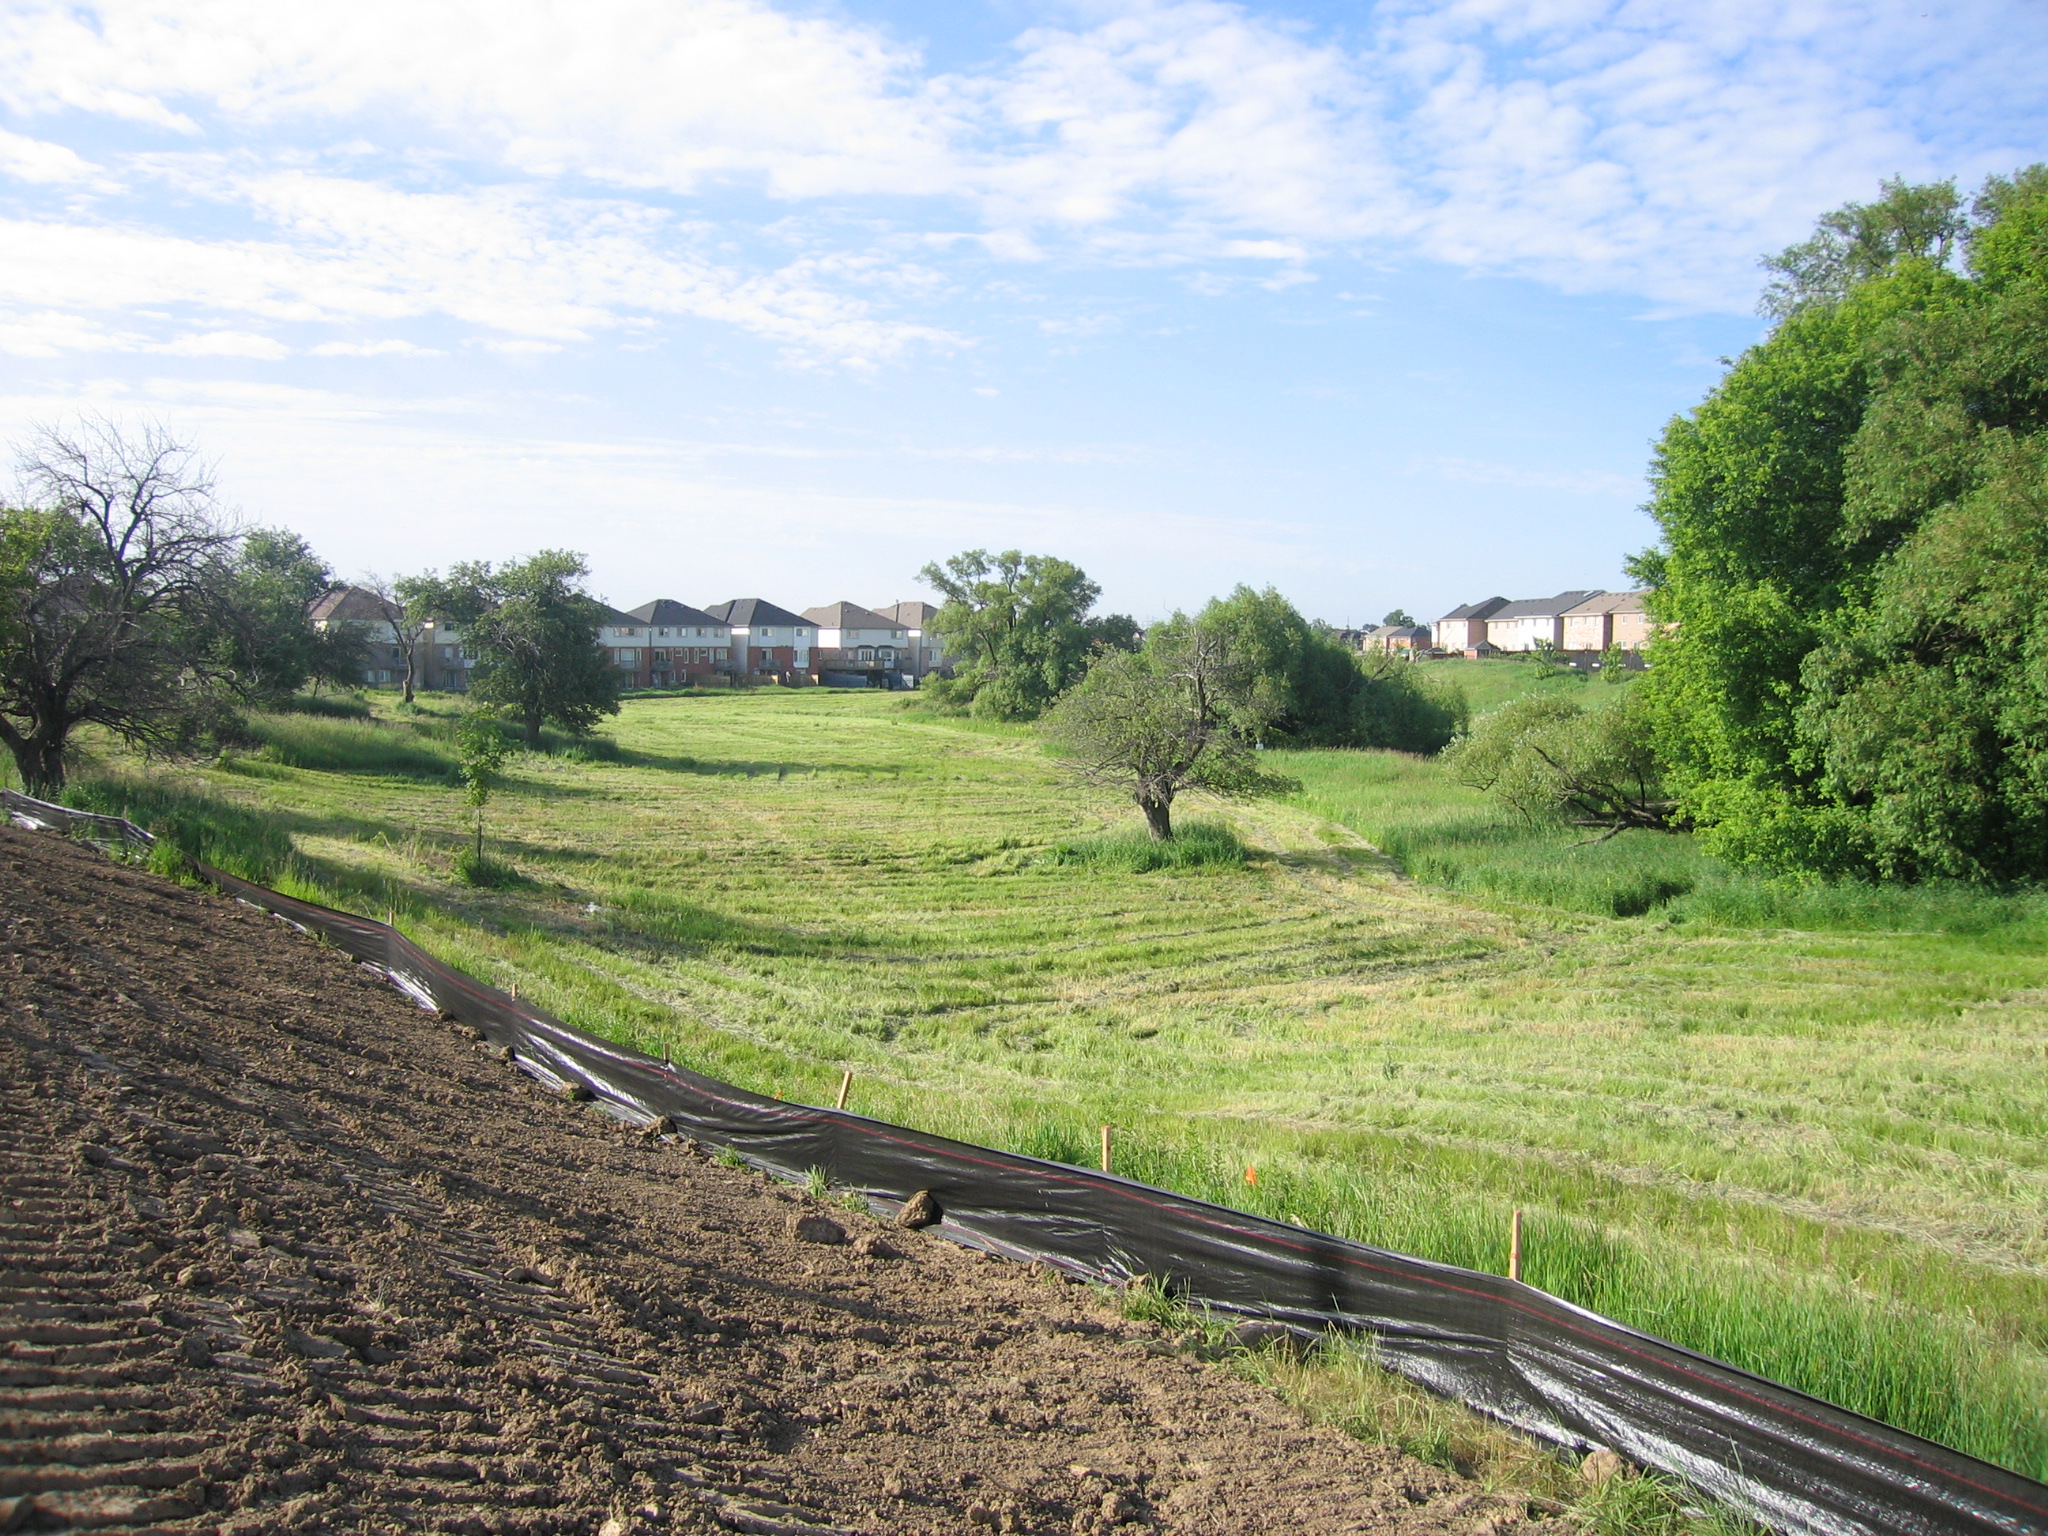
(1853, 555)
(1180, 714)
(1020, 629)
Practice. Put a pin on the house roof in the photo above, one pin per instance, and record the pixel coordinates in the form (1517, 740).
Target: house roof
(664, 610)
(1394, 632)
(917, 615)
(350, 605)
(749, 611)
(1542, 607)
(1612, 602)
(612, 617)
(849, 616)
(1484, 609)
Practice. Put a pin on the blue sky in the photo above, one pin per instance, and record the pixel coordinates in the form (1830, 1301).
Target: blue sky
(1379, 304)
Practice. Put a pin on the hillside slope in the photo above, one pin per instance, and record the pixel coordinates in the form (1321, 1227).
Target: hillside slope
(281, 1253)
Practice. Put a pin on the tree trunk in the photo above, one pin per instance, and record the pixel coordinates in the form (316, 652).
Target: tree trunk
(40, 762)
(1158, 819)
(408, 677)
(533, 733)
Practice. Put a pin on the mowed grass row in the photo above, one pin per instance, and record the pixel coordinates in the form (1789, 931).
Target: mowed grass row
(1816, 1152)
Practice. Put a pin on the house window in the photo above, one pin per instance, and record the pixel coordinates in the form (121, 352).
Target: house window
(627, 656)
(661, 657)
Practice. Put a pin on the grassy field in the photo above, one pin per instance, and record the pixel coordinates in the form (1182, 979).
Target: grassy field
(1803, 1132)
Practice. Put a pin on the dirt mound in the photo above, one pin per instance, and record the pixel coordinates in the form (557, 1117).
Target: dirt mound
(278, 1252)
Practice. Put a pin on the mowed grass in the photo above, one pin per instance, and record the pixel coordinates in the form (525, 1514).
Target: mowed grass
(1814, 1150)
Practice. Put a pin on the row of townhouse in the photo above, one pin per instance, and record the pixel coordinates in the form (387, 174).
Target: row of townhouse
(1579, 623)
(665, 644)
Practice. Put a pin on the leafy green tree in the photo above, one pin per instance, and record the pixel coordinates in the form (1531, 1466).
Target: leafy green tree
(1172, 717)
(1552, 759)
(1861, 241)
(113, 588)
(1847, 556)
(1021, 627)
(1307, 688)
(533, 630)
(270, 642)
(1400, 616)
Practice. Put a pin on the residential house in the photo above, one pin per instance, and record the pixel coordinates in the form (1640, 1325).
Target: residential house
(623, 639)
(1532, 623)
(1393, 637)
(856, 640)
(375, 620)
(1609, 619)
(444, 661)
(767, 641)
(927, 650)
(1464, 629)
(682, 643)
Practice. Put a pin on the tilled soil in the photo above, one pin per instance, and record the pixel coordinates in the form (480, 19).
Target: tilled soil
(279, 1252)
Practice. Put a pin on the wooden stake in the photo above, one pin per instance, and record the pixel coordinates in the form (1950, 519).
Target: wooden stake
(1105, 1149)
(1515, 1245)
(845, 1082)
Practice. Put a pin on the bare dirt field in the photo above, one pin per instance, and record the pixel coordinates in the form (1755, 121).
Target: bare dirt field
(279, 1252)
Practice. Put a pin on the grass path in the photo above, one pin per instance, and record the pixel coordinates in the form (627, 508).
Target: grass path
(1819, 1153)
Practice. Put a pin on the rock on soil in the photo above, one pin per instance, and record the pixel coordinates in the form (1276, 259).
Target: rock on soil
(281, 1253)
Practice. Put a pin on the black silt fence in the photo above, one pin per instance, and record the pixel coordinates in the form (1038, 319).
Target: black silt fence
(1524, 1357)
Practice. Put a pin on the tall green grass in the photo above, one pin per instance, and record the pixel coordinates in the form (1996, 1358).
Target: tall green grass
(1445, 833)
(408, 749)
(1448, 834)
(240, 839)
(1194, 845)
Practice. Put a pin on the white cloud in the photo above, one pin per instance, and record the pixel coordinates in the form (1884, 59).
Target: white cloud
(638, 92)
(52, 333)
(222, 344)
(528, 270)
(38, 160)
(437, 157)
(390, 346)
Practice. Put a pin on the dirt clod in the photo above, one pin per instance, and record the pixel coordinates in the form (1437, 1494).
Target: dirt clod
(920, 1210)
(1601, 1467)
(816, 1229)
